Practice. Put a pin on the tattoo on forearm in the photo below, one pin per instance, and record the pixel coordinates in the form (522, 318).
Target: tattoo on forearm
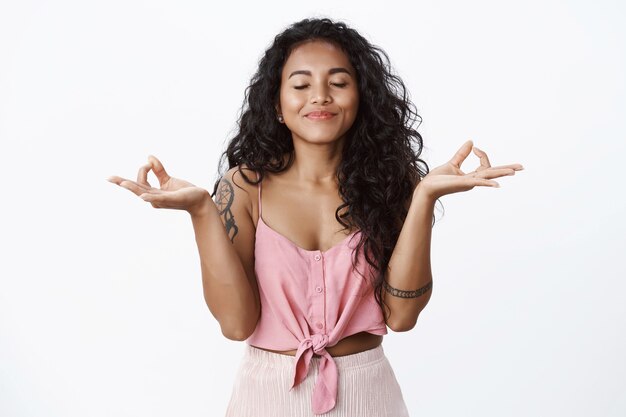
(407, 294)
(225, 197)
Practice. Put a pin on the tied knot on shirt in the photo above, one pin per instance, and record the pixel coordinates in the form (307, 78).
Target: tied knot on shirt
(319, 342)
(325, 389)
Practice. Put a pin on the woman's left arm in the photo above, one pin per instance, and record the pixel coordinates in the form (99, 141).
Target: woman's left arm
(409, 266)
(408, 279)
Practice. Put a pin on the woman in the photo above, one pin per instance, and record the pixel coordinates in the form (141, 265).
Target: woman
(325, 191)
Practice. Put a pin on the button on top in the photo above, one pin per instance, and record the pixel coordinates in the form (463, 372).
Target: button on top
(318, 289)
(318, 257)
(319, 325)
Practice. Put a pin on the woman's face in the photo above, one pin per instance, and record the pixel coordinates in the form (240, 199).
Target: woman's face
(319, 97)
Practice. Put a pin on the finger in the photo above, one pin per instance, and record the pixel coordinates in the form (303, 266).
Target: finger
(116, 179)
(484, 160)
(493, 173)
(142, 175)
(516, 167)
(158, 169)
(484, 182)
(461, 154)
(136, 188)
(147, 197)
(152, 197)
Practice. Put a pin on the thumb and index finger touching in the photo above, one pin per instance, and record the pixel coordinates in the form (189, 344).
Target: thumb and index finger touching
(465, 150)
(462, 153)
(157, 167)
(141, 185)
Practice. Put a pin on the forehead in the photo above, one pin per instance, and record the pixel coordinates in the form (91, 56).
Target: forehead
(318, 55)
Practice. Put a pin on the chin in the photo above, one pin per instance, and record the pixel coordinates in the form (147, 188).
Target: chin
(320, 135)
(322, 139)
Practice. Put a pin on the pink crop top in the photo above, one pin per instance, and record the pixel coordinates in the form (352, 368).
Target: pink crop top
(311, 299)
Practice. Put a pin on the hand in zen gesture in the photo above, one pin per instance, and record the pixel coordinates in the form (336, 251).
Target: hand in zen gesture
(448, 178)
(173, 194)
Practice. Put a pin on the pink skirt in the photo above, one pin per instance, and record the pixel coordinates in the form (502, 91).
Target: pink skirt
(367, 387)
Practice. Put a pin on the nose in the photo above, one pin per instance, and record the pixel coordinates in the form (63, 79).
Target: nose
(320, 95)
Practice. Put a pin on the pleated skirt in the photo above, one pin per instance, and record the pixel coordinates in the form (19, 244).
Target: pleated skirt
(367, 386)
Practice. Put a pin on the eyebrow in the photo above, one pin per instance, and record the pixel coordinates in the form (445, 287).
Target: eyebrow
(330, 71)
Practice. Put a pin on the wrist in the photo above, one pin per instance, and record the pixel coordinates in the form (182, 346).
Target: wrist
(422, 195)
(201, 208)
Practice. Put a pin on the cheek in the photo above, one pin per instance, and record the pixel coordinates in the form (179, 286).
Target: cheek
(290, 102)
(351, 104)
(351, 98)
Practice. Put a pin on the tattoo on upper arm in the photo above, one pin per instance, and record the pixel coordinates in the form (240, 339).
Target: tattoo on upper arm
(407, 294)
(225, 198)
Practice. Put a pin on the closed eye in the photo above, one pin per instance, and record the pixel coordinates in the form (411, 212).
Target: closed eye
(301, 87)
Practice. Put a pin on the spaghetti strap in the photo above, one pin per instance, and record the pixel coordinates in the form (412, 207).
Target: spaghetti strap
(259, 186)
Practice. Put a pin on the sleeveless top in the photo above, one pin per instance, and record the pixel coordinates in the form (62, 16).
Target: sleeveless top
(311, 299)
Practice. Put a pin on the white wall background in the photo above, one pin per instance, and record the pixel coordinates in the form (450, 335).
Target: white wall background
(101, 307)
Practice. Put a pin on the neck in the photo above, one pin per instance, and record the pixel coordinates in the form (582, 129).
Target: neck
(315, 164)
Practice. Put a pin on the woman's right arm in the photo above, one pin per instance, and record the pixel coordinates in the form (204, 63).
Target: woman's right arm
(225, 234)
(225, 237)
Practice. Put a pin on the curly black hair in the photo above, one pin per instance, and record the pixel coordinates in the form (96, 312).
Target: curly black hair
(380, 164)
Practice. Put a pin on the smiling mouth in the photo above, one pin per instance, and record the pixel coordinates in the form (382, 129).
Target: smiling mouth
(320, 116)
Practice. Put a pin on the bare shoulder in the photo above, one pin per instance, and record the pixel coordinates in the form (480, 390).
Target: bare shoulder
(234, 190)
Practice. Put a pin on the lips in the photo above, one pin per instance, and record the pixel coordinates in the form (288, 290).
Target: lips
(320, 115)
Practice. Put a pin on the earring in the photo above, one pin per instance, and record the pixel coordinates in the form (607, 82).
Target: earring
(281, 119)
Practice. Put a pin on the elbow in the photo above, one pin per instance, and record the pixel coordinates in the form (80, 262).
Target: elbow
(402, 325)
(237, 335)
(239, 331)
(405, 319)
